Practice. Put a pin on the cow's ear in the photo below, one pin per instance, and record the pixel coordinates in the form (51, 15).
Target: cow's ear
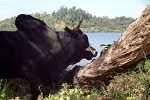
(67, 30)
(70, 33)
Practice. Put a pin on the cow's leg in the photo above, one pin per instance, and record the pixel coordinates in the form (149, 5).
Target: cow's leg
(34, 91)
(36, 84)
(37, 91)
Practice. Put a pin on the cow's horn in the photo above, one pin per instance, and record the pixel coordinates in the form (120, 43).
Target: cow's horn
(78, 26)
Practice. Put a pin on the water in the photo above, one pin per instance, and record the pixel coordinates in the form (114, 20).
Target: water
(96, 39)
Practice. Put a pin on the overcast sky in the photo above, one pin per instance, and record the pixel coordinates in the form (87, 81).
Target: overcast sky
(110, 8)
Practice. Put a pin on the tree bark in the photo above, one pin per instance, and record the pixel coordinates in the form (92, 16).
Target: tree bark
(131, 47)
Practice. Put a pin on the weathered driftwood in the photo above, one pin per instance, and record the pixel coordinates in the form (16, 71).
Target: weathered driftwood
(131, 47)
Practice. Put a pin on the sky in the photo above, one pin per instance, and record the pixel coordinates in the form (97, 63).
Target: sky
(99, 8)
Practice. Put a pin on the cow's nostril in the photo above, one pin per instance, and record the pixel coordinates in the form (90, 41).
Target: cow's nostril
(95, 53)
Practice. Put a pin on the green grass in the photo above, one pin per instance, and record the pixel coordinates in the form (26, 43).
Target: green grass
(132, 85)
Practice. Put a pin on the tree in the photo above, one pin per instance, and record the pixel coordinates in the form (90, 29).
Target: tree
(132, 47)
(68, 15)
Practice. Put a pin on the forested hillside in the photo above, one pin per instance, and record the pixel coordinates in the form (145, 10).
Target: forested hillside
(70, 16)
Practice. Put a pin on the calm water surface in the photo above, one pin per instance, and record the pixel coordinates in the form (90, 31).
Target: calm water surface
(96, 39)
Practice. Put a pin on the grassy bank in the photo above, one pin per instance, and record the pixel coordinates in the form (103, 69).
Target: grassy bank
(132, 85)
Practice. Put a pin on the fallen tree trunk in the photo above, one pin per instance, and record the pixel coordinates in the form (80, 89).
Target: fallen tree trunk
(133, 46)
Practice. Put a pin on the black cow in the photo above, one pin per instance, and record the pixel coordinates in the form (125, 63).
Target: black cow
(39, 54)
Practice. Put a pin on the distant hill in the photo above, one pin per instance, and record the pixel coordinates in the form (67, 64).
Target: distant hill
(70, 16)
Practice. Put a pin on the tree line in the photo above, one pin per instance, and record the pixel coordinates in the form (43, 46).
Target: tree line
(70, 16)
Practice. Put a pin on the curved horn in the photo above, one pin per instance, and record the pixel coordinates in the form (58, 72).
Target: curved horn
(78, 26)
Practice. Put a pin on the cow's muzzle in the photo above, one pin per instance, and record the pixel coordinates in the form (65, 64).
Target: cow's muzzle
(90, 53)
